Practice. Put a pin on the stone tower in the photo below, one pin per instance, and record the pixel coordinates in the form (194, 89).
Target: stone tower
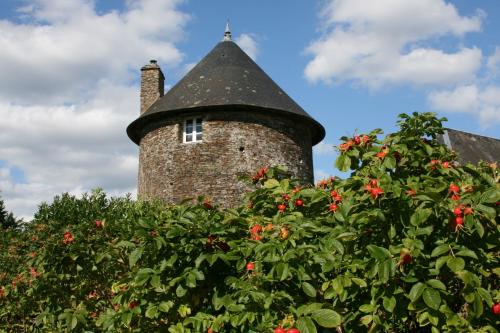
(224, 119)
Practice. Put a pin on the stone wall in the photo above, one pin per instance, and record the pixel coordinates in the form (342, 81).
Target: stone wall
(152, 84)
(234, 143)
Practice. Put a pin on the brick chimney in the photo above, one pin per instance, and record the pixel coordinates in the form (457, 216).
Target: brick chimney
(152, 84)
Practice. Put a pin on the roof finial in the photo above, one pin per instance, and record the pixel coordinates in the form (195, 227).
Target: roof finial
(227, 33)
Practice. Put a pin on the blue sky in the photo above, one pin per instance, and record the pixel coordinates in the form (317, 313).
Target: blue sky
(69, 83)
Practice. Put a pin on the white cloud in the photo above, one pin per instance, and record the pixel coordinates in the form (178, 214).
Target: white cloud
(324, 148)
(481, 102)
(249, 44)
(390, 42)
(59, 54)
(493, 62)
(68, 90)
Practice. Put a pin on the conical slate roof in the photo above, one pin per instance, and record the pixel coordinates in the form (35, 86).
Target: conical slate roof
(227, 76)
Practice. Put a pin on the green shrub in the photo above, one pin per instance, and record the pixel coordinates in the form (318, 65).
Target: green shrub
(408, 243)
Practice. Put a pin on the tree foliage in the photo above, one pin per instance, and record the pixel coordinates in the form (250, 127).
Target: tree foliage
(408, 243)
(7, 219)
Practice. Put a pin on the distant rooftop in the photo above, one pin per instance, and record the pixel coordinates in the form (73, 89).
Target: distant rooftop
(471, 147)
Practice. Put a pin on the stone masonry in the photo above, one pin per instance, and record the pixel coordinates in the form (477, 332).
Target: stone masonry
(152, 84)
(235, 142)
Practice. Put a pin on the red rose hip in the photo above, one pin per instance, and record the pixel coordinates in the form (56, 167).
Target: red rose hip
(279, 330)
(293, 330)
(250, 266)
(496, 309)
(299, 202)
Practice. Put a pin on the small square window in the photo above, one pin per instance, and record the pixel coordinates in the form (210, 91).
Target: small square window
(193, 130)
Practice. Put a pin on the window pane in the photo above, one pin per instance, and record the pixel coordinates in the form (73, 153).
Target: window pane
(189, 137)
(198, 127)
(189, 126)
(198, 137)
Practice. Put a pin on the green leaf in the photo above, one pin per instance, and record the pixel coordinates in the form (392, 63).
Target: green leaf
(271, 183)
(479, 228)
(152, 311)
(389, 303)
(359, 282)
(455, 264)
(165, 306)
(282, 271)
(308, 289)
(490, 212)
(485, 295)
(327, 318)
(441, 261)
(155, 281)
(439, 250)
(306, 325)
(343, 162)
(385, 270)
(420, 216)
(367, 308)
(416, 291)
(490, 196)
(74, 322)
(436, 284)
(466, 253)
(180, 291)
(390, 162)
(135, 256)
(379, 253)
(432, 298)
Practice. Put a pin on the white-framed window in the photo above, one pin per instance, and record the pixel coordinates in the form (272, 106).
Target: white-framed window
(193, 130)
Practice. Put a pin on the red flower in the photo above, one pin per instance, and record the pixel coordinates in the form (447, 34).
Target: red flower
(322, 183)
(34, 273)
(411, 192)
(454, 188)
(468, 211)
(346, 145)
(68, 238)
(259, 175)
(375, 192)
(256, 229)
(208, 204)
